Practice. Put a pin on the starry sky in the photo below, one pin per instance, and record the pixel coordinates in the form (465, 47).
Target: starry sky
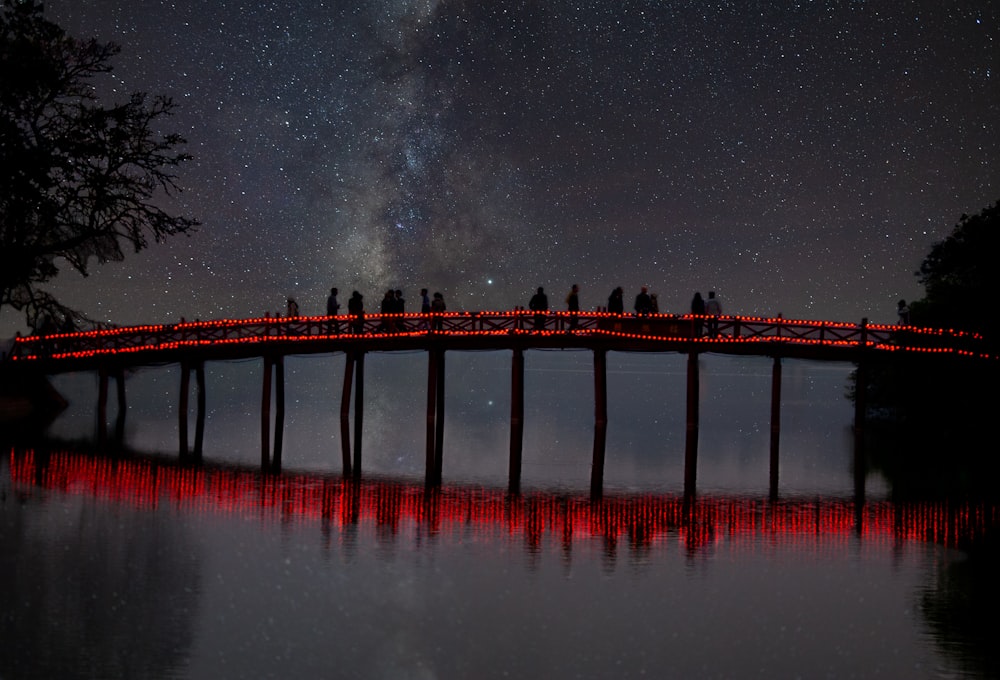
(796, 157)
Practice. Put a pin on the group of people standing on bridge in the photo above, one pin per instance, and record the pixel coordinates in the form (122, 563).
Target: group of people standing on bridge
(646, 303)
(393, 303)
(711, 308)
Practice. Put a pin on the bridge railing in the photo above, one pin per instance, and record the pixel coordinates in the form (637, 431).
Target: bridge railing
(666, 329)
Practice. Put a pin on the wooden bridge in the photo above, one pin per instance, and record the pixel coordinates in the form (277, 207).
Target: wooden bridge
(190, 344)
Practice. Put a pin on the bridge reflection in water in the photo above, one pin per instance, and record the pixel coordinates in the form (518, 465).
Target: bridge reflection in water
(640, 521)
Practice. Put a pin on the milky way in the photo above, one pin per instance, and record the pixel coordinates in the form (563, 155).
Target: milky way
(796, 157)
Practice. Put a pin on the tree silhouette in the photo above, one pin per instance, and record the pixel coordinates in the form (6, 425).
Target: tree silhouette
(78, 180)
(959, 277)
(933, 414)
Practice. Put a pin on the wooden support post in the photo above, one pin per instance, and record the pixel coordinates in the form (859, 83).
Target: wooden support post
(122, 407)
(345, 412)
(691, 438)
(182, 411)
(265, 418)
(860, 415)
(600, 422)
(432, 357)
(102, 407)
(860, 409)
(199, 426)
(775, 422)
(359, 410)
(279, 415)
(439, 418)
(516, 419)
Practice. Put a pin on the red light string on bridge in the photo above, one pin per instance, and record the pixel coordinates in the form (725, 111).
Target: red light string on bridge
(731, 330)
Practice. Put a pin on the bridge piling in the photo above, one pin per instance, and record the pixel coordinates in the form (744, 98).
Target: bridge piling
(182, 410)
(516, 419)
(182, 416)
(359, 410)
(600, 422)
(265, 417)
(431, 420)
(345, 413)
(861, 399)
(691, 438)
(775, 424)
(199, 427)
(279, 415)
(122, 406)
(102, 407)
(103, 374)
(439, 418)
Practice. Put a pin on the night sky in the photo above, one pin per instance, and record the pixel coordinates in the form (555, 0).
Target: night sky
(797, 157)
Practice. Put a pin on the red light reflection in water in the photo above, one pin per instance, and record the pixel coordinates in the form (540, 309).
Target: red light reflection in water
(639, 520)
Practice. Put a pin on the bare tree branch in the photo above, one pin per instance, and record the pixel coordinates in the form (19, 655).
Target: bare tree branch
(79, 180)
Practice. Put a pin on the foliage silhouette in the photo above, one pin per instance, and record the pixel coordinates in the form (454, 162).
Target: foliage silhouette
(78, 179)
(931, 418)
(959, 277)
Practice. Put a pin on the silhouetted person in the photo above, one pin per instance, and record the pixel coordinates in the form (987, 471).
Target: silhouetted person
(425, 308)
(387, 307)
(539, 304)
(714, 309)
(333, 309)
(643, 303)
(399, 307)
(616, 301)
(573, 305)
(903, 311)
(437, 308)
(654, 303)
(356, 308)
(698, 309)
(697, 304)
(293, 308)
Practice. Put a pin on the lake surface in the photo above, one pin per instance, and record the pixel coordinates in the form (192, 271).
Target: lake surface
(142, 568)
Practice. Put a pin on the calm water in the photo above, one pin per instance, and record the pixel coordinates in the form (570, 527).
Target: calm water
(141, 568)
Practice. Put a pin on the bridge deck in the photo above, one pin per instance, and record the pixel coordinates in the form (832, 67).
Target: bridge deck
(234, 339)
